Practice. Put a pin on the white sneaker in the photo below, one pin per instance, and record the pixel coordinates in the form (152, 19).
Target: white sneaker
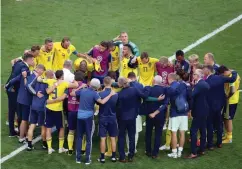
(179, 154)
(88, 162)
(50, 151)
(172, 155)
(22, 140)
(164, 147)
(144, 124)
(164, 127)
(16, 129)
(78, 162)
(96, 113)
(63, 150)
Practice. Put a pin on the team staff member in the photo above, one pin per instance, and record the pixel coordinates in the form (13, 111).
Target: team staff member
(232, 93)
(88, 97)
(54, 116)
(12, 92)
(134, 83)
(180, 62)
(125, 69)
(62, 52)
(107, 120)
(46, 54)
(103, 56)
(123, 39)
(200, 111)
(146, 68)
(155, 117)
(37, 114)
(24, 98)
(178, 119)
(210, 60)
(216, 101)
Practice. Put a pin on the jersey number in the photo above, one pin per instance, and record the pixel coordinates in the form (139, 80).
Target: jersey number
(145, 69)
(125, 66)
(54, 96)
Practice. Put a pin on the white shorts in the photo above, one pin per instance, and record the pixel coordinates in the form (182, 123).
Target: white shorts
(178, 123)
(138, 124)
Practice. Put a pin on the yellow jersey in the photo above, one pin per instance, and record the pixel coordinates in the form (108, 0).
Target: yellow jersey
(115, 59)
(45, 58)
(59, 91)
(90, 66)
(61, 55)
(234, 99)
(124, 69)
(146, 71)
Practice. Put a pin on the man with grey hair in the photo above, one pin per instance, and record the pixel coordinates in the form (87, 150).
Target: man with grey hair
(200, 112)
(85, 124)
(155, 116)
(210, 60)
(128, 104)
(68, 75)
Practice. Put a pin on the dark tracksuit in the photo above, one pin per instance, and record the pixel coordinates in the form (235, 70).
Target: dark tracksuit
(12, 93)
(158, 121)
(216, 100)
(128, 103)
(200, 111)
(38, 104)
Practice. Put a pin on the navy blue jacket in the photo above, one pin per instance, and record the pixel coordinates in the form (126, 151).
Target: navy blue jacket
(149, 107)
(129, 102)
(34, 87)
(107, 111)
(24, 96)
(184, 65)
(199, 99)
(175, 89)
(216, 96)
(17, 69)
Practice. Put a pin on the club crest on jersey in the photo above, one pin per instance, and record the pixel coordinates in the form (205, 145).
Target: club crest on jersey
(99, 58)
(73, 98)
(68, 50)
(149, 64)
(63, 54)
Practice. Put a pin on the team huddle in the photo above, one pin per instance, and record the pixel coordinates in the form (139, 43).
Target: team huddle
(120, 85)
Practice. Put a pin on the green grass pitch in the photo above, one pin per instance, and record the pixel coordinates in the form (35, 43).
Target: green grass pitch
(157, 26)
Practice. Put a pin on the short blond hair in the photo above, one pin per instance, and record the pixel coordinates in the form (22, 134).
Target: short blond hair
(164, 59)
(193, 57)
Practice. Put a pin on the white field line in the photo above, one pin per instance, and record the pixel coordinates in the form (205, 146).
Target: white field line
(188, 48)
(208, 36)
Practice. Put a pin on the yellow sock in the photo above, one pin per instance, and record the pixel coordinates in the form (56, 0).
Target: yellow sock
(229, 135)
(84, 143)
(70, 140)
(49, 143)
(61, 143)
(168, 138)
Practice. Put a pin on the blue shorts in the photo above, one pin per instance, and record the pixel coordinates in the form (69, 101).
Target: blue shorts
(23, 112)
(108, 126)
(72, 120)
(54, 118)
(37, 117)
(231, 112)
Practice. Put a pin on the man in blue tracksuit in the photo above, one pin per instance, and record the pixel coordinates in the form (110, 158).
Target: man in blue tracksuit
(107, 120)
(88, 98)
(200, 111)
(216, 100)
(178, 119)
(155, 116)
(37, 114)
